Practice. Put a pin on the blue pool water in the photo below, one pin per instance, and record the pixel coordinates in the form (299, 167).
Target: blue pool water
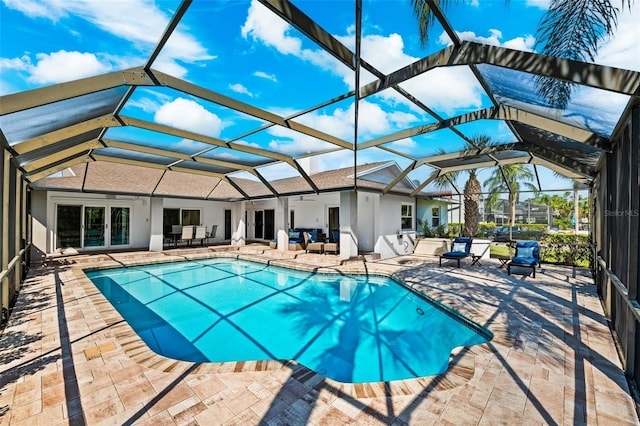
(353, 328)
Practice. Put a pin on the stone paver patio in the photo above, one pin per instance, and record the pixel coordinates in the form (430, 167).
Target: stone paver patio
(67, 357)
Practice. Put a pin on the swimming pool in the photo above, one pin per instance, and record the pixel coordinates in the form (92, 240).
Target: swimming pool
(350, 328)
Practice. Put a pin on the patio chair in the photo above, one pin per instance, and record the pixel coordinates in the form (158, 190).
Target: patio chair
(174, 234)
(311, 245)
(187, 234)
(201, 234)
(527, 256)
(212, 234)
(333, 247)
(460, 249)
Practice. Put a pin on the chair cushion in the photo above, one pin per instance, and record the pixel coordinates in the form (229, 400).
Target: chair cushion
(454, 255)
(524, 261)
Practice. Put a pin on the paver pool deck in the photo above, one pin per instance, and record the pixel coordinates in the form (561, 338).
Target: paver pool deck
(67, 357)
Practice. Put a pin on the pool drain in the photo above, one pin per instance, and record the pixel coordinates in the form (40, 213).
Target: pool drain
(419, 311)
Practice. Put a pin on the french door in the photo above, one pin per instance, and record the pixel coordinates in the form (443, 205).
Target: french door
(93, 227)
(258, 225)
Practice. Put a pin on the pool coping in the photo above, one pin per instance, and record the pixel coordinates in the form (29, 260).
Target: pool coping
(461, 365)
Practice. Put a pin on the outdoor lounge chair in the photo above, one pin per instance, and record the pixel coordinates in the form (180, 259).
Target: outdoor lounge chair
(311, 245)
(333, 247)
(460, 249)
(527, 256)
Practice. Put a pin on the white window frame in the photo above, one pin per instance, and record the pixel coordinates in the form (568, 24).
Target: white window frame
(403, 216)
(433, 225)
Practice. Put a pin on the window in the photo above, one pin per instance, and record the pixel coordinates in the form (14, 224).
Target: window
(435, 217)
(170, 217)
(191, 217)
(407, 216)
(292, 219)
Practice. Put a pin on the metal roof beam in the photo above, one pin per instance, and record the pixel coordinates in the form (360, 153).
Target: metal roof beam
(560, 169)
(432, 127)
(73, 130)
(234, 104)
(59, 156)
(161, 128)
(398, 178)
(427, 181)
(59, 92)
(305, 176)
(502, 112)
(598, 76)
(574, 133)
(298, 19)
(54, 168)
(265, 183)
(173, 154)
(423, 65)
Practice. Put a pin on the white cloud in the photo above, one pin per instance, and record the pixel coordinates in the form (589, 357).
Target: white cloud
(139, 22)
(188, 115)
(298, 144)
(266, 76)
(525, 43)
(405, 143)
(374, 121)
(65, 66)
(247, 143)
(278, 171)
(51, 10)
(339, 123)
(447, 89)
(540, 4)
(386, 53)
(145, 104)
(21, 64)
(263, 25)
(239, 88)
(189, 146)
(623, 50)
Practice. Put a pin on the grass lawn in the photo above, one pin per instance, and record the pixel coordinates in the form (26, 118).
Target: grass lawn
(499, 250)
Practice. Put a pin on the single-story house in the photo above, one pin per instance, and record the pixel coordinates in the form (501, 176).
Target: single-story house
(100, 205)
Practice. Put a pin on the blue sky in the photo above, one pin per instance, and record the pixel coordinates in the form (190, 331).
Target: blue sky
(241, 50)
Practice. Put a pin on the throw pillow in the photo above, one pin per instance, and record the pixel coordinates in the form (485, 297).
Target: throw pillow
(525, 252)
(461, 247)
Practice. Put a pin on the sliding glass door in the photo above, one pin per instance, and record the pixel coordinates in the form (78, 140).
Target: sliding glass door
(68, 226)
(119, 226)
(92, 227)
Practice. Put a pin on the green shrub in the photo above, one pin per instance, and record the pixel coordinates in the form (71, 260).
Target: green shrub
(565, 249)
(484, 227)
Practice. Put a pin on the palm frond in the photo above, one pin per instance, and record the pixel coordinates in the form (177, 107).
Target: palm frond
(426, 18)
(572, 29)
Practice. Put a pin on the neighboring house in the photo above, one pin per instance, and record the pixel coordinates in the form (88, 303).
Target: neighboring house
(112, 206)
(526, 212)
(433, 210)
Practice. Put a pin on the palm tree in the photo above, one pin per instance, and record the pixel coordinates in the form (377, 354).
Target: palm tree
(510, 178)
(472, 188)
(472, 191)
(570, 29)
